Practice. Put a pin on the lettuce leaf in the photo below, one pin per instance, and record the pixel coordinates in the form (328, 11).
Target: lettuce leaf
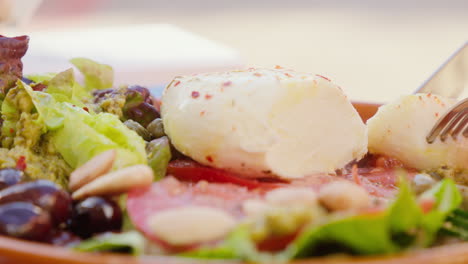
(97, 76)
(79, 135)
(401, 226)
(64, 88)
(83, 135)
(131, 242)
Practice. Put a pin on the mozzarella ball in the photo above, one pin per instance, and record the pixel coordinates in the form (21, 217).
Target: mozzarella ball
(399, 129)
(263, 122)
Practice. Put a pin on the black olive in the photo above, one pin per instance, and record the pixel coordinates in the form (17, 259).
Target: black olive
(45, 194)
(95, 215)
(24, 220)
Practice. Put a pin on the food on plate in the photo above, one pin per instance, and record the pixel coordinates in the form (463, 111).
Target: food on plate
(260, 116)
(261, 165)
(399, 129)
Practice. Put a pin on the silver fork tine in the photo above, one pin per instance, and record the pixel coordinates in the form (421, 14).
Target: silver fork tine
(454, 120)
(462, 124)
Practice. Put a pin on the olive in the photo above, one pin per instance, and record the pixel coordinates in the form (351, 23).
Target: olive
(139, 129)
(9, 177)
(45, 194)
(95, 215)
(156, 128)
(24, 220)
(100, 94)
(142, 113)
(62, 238)
(142, 90)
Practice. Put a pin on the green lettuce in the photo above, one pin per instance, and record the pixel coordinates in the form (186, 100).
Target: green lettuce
(64, 88)
(84, 135)
(79, 135)
(401, 226)
(129, 242)
(96, 75)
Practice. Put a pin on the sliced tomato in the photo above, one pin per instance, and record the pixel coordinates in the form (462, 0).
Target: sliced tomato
(168, 193)
(188, 170)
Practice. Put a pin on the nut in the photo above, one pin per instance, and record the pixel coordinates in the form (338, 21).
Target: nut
(292, 196)
(116, 182)
(191, 224)
(93, 168)
(343, 195)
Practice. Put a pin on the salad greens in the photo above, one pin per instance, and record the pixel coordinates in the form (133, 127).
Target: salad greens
(457, 225)
(64, 116)
(129, 242)
(60, 109)
(401, 226)
(97, 76)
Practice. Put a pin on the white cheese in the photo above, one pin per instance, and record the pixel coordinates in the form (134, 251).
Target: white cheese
(399, 130)
(262, 122)
(192, 224)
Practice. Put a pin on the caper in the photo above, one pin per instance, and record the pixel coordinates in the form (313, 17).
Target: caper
(139, 129)
(156, 128)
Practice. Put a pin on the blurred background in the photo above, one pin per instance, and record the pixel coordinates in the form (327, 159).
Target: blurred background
(375, 50)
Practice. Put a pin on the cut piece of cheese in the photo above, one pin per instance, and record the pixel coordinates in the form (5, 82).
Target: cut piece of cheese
(263, 122)
(399, 129)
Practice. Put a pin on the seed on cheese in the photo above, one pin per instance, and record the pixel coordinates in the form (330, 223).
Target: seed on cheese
(263, 122)
(399, 130)
(192, 224)
(343, 195)
(291, 196)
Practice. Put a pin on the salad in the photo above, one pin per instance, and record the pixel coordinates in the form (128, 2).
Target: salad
(259, 165)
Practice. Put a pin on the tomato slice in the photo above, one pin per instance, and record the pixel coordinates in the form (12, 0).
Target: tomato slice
(188, 170)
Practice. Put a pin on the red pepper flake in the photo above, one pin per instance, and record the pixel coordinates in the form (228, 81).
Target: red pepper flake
(195, 94)
(429, 95)
(287, 74)
(258, 74)
(21, 163)
(209, 158)
(12, 131)
(227, 83)
(86, 109)
(354, 172)
(323, 77)
(176, 83)
(208, 96)
(437, 114)
(202, 113)
(278, 67)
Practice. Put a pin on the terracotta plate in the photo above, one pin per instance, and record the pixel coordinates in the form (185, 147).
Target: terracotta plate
(19, 251)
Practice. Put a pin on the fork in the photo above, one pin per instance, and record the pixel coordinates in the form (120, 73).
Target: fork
(452, 123)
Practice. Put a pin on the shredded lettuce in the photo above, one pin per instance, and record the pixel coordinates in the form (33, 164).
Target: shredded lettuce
(131, 242)
(401, 226)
